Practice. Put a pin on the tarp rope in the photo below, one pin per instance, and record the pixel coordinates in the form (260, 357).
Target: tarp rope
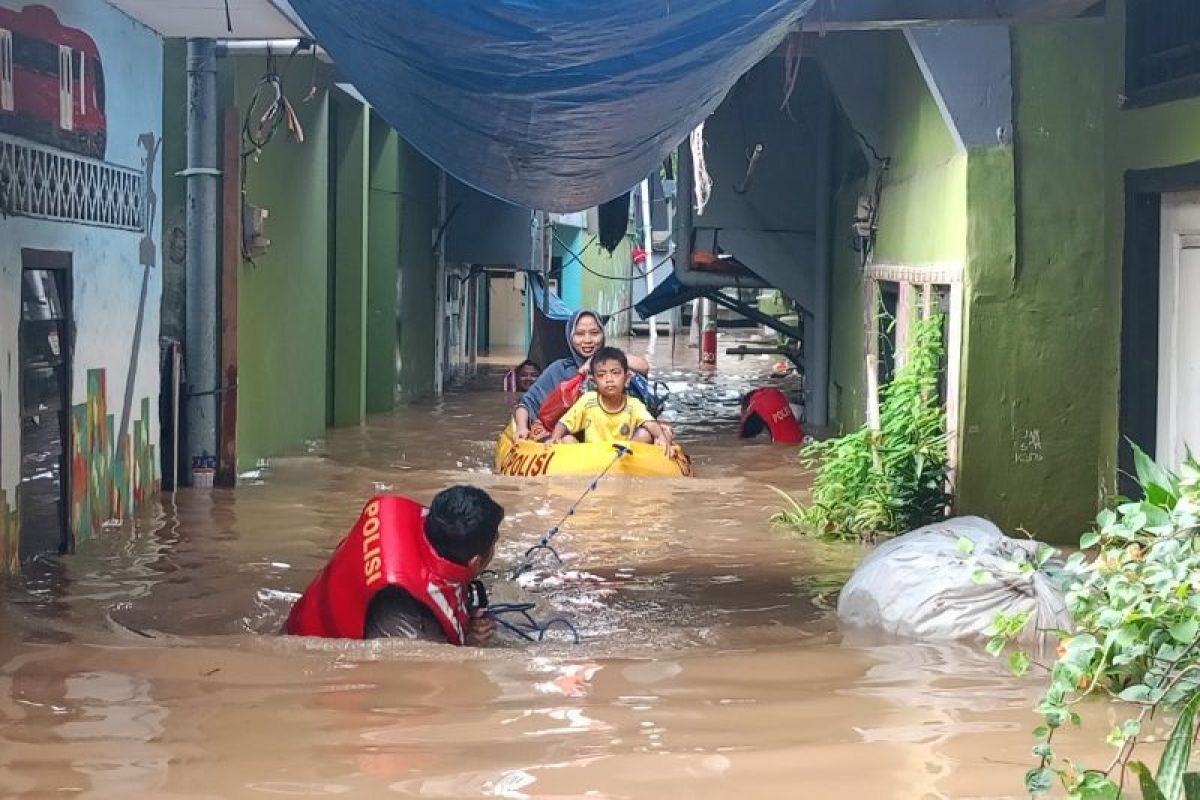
(516, 617)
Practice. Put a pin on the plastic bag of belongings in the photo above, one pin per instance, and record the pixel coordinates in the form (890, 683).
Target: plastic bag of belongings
(928, 584)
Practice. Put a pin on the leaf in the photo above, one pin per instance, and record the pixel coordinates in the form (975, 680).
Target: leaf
(1018, 662)
(964, 546)
(1148, 471)
(1185, 632)
(1038, 780)
(1139, 692)
(1191, 785)
(1150, 789)
(995, 645)
(1175, 757)
(1089, 540)
(980, 576)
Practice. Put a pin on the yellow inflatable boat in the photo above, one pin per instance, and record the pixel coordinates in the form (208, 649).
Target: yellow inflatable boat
(531, 459)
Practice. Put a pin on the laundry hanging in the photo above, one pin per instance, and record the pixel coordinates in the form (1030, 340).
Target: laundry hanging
(557, 105)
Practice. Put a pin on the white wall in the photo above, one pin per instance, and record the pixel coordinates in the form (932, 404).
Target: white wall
(106, 265)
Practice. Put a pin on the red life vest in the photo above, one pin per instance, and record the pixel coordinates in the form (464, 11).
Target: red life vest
(769, 407)
(386, 547)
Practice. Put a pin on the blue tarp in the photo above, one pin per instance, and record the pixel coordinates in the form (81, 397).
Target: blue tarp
(556, 105)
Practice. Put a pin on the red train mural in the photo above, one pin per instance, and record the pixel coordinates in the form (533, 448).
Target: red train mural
(51, 82)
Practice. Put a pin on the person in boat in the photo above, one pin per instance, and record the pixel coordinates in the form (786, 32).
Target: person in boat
(609, 414)
(521, 377)
(585, 335)
(406, 571)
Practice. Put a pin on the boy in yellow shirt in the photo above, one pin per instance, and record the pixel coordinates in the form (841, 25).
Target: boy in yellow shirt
(608, 414)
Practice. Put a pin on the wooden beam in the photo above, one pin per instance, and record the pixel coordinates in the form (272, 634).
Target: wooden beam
(231, 259)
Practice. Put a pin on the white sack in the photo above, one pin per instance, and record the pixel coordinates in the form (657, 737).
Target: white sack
(920, 584)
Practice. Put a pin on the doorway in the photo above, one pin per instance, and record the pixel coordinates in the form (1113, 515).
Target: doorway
(1178, 413)
(44, 355)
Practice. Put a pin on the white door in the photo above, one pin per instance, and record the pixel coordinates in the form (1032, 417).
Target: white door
(1179, 329)
(506, 312)
(66, 94)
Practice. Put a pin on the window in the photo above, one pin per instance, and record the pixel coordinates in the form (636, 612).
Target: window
(6, 71)
(66, 95)
(1162, 50)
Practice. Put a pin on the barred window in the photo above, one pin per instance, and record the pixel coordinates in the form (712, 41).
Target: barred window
(1162, 47)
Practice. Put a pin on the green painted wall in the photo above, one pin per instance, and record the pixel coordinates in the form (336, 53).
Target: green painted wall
(847, 365)
(1030, 426)
(418, 270)
(383, 258)
(1135, 138)
(607, 296)
(282, 295)
(349, 161)
(922, 214)
(922, 217)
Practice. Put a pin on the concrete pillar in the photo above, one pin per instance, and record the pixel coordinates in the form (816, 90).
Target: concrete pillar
(351, 167)
(817, 344)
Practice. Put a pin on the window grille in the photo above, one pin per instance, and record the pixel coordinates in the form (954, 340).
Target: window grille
(1162, 44)
(37, 181)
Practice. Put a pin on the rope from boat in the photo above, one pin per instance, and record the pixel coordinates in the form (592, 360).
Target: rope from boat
(525, 625)
(544, 544)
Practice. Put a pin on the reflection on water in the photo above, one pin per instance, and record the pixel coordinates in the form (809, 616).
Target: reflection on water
(147, 665)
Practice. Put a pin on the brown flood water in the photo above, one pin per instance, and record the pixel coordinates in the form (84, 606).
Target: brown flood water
(146, 665)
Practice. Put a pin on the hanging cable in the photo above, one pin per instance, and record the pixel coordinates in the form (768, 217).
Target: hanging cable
(544, 545)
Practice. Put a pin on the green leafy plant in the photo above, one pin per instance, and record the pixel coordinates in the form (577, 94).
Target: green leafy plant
(873, 483)
(1136, 609)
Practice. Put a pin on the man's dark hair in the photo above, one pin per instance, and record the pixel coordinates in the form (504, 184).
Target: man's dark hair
(463, 522)
(610, 354)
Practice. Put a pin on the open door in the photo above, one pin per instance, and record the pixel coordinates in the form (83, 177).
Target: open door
(45, 358)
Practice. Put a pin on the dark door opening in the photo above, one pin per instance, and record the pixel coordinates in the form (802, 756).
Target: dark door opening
(889, 302)
(45, 361)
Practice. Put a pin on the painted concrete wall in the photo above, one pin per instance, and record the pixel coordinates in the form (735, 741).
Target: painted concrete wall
(923, 210)
(383, 259)
(111, 268)
(1162, 135)
(1031, 424)
(282, 296)
(923, 205)
(416, 310)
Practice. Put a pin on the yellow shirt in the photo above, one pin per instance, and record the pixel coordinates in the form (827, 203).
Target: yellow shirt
(592, 423)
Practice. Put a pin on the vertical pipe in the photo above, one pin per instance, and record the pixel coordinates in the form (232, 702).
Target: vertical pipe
(201, 259)
(818, 346)
(648, 246)
(231, 259)
(439, 292)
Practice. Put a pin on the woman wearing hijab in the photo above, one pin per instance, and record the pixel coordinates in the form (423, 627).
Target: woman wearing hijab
(585, 335)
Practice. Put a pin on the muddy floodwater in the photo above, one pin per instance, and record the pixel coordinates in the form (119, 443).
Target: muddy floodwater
(148, 665)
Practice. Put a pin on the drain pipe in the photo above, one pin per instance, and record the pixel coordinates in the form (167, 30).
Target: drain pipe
(648, 246)
(200, 341)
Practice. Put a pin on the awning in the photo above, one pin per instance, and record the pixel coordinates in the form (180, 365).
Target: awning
(556, 105)
(667, 295)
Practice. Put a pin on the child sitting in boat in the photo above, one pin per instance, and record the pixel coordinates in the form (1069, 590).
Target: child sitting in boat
(609, 414)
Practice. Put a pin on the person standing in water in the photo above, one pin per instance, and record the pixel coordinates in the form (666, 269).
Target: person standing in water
(405, 571)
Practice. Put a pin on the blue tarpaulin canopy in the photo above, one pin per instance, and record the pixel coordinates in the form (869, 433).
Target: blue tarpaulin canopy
(557, 105)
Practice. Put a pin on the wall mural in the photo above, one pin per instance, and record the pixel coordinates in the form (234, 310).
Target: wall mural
(104, 485)
(60, 124)
(53, 82)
